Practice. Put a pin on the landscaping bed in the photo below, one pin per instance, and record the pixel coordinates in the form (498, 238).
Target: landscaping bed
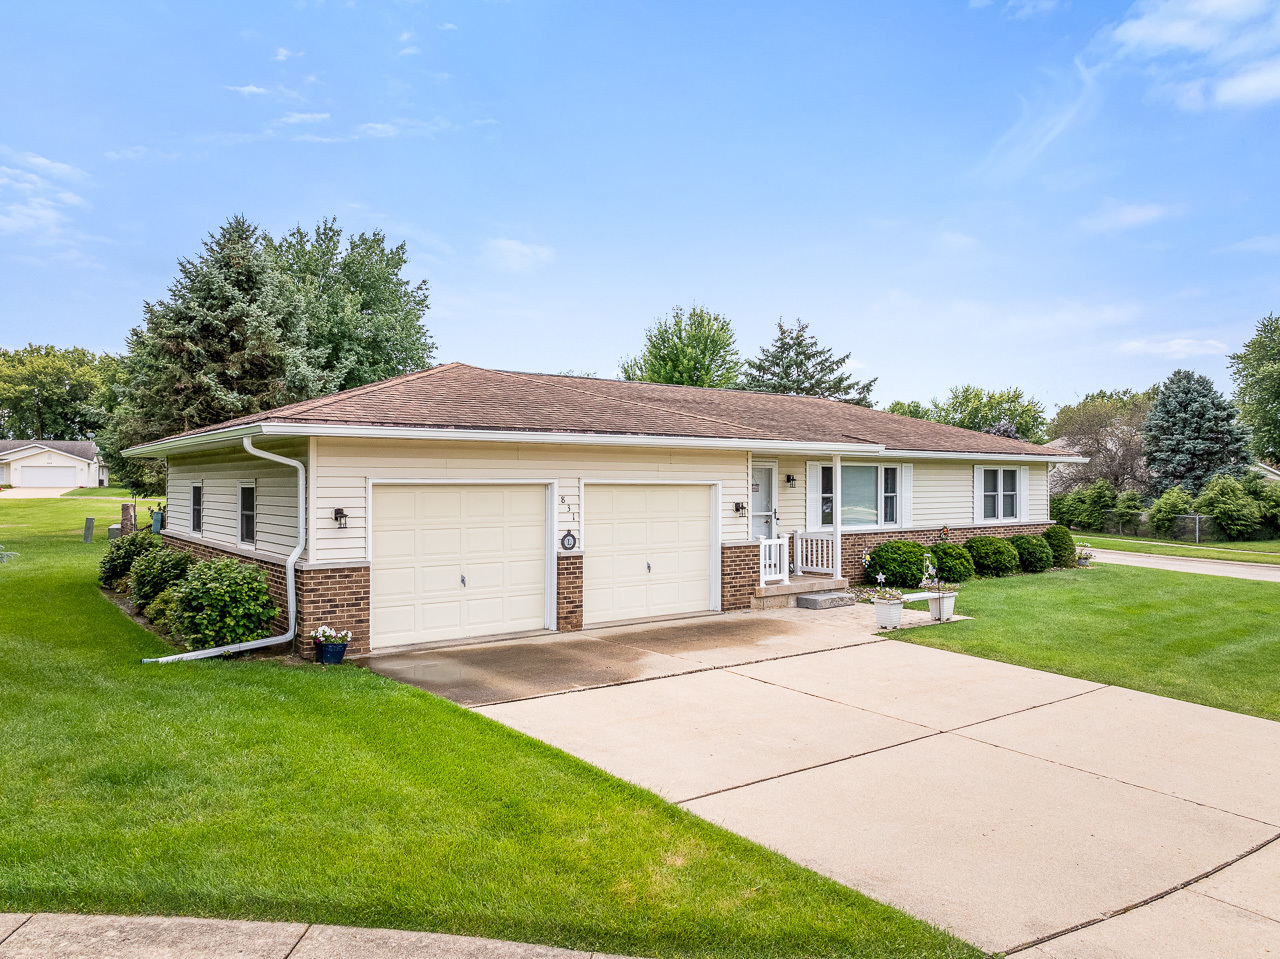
(280, 790)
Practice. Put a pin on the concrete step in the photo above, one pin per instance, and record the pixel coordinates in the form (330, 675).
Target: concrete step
(802, 584)
(828, 600)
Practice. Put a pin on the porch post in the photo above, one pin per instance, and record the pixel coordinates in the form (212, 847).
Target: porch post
(837, 536)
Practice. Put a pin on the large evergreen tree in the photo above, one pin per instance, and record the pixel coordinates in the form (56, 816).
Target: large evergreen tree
(1256, 370)
(1192, 434)
(795, 363)
(47, 393)
(696, 348)
(364, 318)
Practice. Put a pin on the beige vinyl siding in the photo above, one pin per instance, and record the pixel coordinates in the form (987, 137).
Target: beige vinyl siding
(221, 472)
(344, 467)
(941, 493)
(791, 502)
(1038, 493)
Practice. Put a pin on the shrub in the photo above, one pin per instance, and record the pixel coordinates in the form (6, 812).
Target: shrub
(902, 563)
(1064, 508)
(1226, 501)
(121, 554)
(155, 571)
(221, 601)
(953, 562)
(1175, 502)
(1062, 544)
(992, 556)
(1128, 508)
(160, 610)
(1267, 495)
(1034, 554)
(1094, 501)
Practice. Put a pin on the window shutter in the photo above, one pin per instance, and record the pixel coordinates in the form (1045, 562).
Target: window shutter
(1024, 493)
(812, 496)
(904, 495)
(977, 494)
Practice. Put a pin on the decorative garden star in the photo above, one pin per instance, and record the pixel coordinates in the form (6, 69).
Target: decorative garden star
(880, 578)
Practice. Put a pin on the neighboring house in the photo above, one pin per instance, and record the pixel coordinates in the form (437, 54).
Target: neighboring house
(57, 463)
(462, 502)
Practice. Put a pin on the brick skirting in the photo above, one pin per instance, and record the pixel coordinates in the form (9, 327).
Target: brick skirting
(329, 597)
(852, 544)
(739, 575)
(569, 592)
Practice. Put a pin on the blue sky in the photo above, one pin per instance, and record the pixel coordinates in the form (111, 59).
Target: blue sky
(1057, 196)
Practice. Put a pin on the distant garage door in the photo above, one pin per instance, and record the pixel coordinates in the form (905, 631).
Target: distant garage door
(48, 476)
(454, 562)
(646, 551)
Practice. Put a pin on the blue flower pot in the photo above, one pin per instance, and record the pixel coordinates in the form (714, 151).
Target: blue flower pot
(330, 653)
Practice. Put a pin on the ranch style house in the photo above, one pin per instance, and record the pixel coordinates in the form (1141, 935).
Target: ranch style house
(459, 503)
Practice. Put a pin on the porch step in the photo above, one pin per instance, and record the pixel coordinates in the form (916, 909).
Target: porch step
(802, 584)
(825, 600)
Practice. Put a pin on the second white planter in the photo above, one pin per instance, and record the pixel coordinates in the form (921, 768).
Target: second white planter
(888, 613)
(942, 606)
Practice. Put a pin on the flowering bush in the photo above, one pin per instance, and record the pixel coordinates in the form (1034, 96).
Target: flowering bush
(327, 634)
(885, 594)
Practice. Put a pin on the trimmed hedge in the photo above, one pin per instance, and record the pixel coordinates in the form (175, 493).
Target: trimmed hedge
(155, 571)
(1062, 543)
(901, 561)
(992, 556)
(953, 562)
(121, 554)
(1034, 554)
(221, 601)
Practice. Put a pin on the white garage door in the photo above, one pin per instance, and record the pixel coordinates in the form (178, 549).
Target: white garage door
(48, 476)
(646, 551)
(451, 562)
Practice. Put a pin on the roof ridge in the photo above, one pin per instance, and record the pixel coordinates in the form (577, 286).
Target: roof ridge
(651, 406)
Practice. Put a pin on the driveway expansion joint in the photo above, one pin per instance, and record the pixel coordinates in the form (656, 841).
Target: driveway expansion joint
(294, 947)
(14, 930)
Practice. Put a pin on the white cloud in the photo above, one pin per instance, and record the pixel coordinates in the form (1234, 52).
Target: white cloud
(128, 153)
(408, 52)
(447, 26)
(303, 118)
(248, 90)
(1175, 349)
(1022, 9)
(956, 242)
(51, 168)
(376, 130)
(33, 204)
(284, 53)
(513, 256)
(1250, 88)
(1258, 244)
(1114, 216)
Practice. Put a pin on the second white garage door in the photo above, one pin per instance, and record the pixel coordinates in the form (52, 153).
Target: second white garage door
(646, 551)
(48, 476)
(452, 562)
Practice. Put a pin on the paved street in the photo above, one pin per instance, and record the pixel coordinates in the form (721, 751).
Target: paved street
(1186, 564)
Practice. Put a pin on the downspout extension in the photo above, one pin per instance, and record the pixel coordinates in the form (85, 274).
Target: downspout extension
(289, 565)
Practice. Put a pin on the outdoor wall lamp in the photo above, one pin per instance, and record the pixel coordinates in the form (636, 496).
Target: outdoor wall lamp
(340, 517)
(739, 508)
(791, 480)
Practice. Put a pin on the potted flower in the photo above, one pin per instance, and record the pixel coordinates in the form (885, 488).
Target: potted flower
(1083, 557)
(942, 597)
(888, 603)
(331, 644)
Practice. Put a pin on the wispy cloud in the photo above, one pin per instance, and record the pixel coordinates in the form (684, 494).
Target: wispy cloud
(513, 256)
(276, 92)
(376, 130)
(408, 52)
(1114, 216)
(1205, 53)
(249, 90)
(35, 202)
(1023, 9)
(447, 26)
(1258, 244)
(1175, 349)
(956, 242)
(284, 53)
(291, 118)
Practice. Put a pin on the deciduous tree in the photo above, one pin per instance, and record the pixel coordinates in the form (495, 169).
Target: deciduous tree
(1105, 426)
(1256, 370)
(47, 393)
(696, 348)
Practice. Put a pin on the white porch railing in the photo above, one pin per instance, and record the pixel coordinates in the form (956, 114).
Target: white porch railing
(774, 567)
(815, 552)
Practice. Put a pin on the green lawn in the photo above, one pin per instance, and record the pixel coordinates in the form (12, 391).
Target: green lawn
(272, 791)
(109, 492)
(1261, 551)
(1205, 639)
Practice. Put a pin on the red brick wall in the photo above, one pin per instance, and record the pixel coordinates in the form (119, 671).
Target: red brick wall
(331, 597)
(569, 593)
(852, 544)
(739, 575)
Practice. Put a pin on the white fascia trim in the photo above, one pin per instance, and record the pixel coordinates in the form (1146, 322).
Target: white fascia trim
(24, 451)
(223, 437)
(1010, 458)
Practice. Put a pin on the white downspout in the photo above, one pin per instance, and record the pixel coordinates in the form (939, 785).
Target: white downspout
(289, 633)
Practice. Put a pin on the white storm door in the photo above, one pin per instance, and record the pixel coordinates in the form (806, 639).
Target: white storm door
(455, 562)
(646, 551)
(762, 502)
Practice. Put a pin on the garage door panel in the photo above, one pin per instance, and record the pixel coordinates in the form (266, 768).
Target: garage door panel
(647, 551)
(494, 535)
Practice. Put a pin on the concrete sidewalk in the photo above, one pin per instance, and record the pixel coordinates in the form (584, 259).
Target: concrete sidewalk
(1263, 572)
(58, 936)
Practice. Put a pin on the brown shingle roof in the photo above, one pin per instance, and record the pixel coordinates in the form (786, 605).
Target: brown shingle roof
(458, 396)
(81, 449)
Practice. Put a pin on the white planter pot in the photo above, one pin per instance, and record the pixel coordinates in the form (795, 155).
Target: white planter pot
(942, 606)
(888, 613)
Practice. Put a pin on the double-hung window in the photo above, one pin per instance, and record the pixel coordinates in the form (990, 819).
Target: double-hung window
(197, 508)
(999, 494)
(868, 495)
(248, 513)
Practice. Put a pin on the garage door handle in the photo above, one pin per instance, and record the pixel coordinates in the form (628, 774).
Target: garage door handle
(648, 567)
(464, 579)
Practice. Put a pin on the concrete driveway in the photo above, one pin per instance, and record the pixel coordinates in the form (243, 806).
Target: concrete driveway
(1024, 811)
(35, 492)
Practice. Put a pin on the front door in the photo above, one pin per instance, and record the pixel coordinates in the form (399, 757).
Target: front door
(762, 505)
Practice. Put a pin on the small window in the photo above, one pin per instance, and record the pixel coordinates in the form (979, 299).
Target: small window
(197, 509)
(248, 513)
(890, 494)
(999, 494)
